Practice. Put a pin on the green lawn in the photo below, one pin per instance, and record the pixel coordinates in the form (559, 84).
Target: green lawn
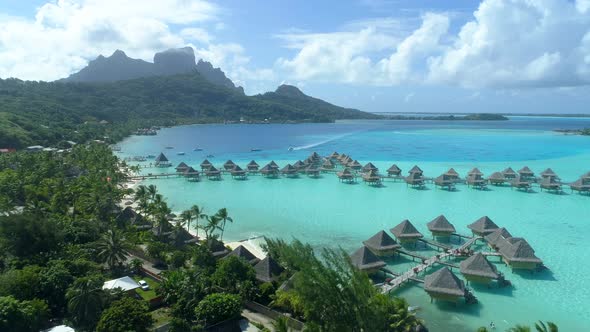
(161, 316)
(149, 294)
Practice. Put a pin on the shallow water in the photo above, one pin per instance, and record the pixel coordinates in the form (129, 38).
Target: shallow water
(325, 212)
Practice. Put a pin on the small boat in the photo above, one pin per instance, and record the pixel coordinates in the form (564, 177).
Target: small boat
(180, 153)
(291, 148)
(197, 149)
(169, 147)
(255, 149)
(210, 156)
(150, 156)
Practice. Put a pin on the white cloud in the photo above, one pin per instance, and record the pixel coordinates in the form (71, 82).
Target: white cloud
(505, 44)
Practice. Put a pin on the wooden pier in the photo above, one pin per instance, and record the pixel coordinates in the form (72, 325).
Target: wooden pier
(469, 243)
(412, 273)
(424, 258)
(436, 244)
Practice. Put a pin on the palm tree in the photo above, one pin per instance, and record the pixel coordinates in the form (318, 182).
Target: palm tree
(212, 225)
(187, 216)
(281, 324)
(113, 248)
(222, 214)
(198, 213)
(520, 328)
(550, 327)
(160, 211)
(85, 301)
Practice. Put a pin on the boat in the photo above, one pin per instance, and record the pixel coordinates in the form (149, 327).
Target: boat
(150, 156)
(180, 153)
(197, 149)
(210, 156)
(169, 147)
(291, 148)
(255, 149)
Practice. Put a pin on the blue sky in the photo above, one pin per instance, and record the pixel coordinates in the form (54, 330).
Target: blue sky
(528, 56)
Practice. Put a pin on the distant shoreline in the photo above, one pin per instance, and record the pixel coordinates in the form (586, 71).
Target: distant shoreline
(456, 114)
(445, 117)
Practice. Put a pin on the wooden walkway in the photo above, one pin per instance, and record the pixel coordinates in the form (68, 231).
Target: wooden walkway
(436, 244)
(412, 273)
(154, 176)
(469, 243)
(424, 258)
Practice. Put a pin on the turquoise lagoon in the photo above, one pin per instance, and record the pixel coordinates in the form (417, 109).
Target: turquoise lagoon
(327, 213)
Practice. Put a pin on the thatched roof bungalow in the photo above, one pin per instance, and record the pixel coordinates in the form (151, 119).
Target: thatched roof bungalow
(415, 179)
(334, 156)
(274, 165)
(315, 156)
(162, 161)
(381, 244)
(526, 173)
(205, 165)
(289, 171)
(238, 173)
(369, 167)
(269, 171)
(327, 165)
(268, 270)
(451, 173)
(312, 171)
(550, 183)
(192, 174)
(549, 173)
(478, 269)
(229, 165)
(181, 167)
(372, 177)
(252, 166)
(415, 169)
(445, 182)
(213, 173)
(394, 170)
(580, 185)
(440, 226)
(405, 232)
(521, 183)
(355, 165)
(346, 175)
(244, 253)
(299, 165)
(520, 255)
(475, 179)
(366, 261)
(483, 226)
(509, 173)
(444, 285)
(497, 236)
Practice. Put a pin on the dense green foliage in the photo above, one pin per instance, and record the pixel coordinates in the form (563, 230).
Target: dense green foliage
(125, 315)
(53, 113)
(218, 307)
(468, 117)
(22, 316)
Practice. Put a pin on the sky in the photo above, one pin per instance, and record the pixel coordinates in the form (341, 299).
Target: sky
(509, 56)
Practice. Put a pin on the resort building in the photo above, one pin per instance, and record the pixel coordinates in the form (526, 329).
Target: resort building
(394, 170)
(475, 179)
(333, 156)
(252, 166)
(478, 269)
(451, 173)
(550, 183)
(509, 173)
(497, 179)
(444, 181)
(205, 165)
(483, 226)
(366, 261)
(269, 171)
(405, 232)
(416, 169)
(229, 165)
(369, 167)
(238, 173)
(289, 171)
(213, 173)
(162, 161)
(327, 166)
(245, 254)
(192, 174)
(268, 270)
(521, 183)
(355, 165)
(527, 174)
(372, 177)
(312, 171)
(549, 173)
(299, 165)
(182, 167)
(381, 244)
(346, 176)
(124, 284)
(415, 179)
(582, 184)
(518, 254)
(441, 227)
(444, 285)
(274, 165)
(498, 236)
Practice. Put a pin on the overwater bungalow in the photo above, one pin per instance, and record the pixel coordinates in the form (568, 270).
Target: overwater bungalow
(405, 232)
(213, 173)
(441, 227)
(342, 157)
(445, 182)
(550, 183)
(181, 167)
(192, 174)
(381, 244)
(451, 173)
(229, 165)
(315, 157)
(327, 166)
(582, 185)
(497, 236)
(346, 175)
(478, 269)
(366, 261)
(333, 156)
(520, 255)
(238, 173)
(347, 160)
(252, 166)
(549, 173)
(289, 171)
(274, 165)
(268, 270)
(162, 161)
(415, 179)
(526, 174)
(394, 171)
(372, 177)
(483, 226)
(509, 173)
(355, 165)
(369, 167)
(245, 254)
(475, 179)
(416, 169)
(269, 171)
(300, 166)
(521, 183)
(444, 285)
(312, 171)
(205, 165)
(497, 179)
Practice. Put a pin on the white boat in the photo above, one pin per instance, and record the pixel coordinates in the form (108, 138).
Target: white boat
(197, 149)
(291, 148)
(180, 153)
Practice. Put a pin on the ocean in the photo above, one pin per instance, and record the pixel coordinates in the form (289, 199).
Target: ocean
(327, 213)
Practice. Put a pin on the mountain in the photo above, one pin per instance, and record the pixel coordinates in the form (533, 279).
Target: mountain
(51, 113)
(119, 67)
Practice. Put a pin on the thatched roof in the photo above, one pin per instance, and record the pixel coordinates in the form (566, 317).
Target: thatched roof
(394, 169)
(328, 164)
(475, 171)
(443, 179)
(497, 235)
(161, 158)
(289, 169)
(334, 155)
(381, 241)
(508, 241)
(298, 164)
(478, 265)
(346, 173)
(548, 172)
(498, 176)
(181, 167)
(267, 270)
(191, 171)
(441, 224)
(444, 281)
(355, 164)
(452, 172)
(315, 156)
(526, 171)
(244, 253)
(272, 164)
(229, 164)
(585, 176)
(519, 251)
(206, 163)
(364, 259)
(550, 181)
(405, 230)
(414, 177)
(252, 164)
(212, 170)
(483, 225)
(415, 169)
(509, 171)
(369, 167)
(237, 170)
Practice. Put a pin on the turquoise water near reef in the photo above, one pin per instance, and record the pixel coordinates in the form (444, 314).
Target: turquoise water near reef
(327, 213)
